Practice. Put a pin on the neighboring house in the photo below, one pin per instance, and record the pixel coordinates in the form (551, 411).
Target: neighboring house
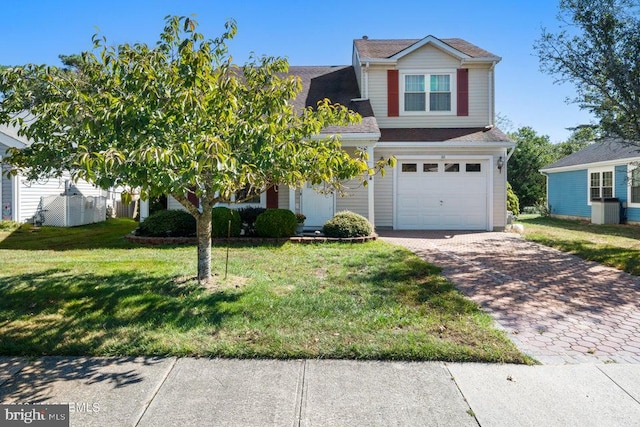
(603, 170)
(429, 103)
(22, 199)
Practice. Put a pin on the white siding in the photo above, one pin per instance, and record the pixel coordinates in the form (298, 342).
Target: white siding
(5, 182)
(479, 103)
(31, 192)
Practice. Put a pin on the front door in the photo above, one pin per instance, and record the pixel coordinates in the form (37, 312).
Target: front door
(316, 206)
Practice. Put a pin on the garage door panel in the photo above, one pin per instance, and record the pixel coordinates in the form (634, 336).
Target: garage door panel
(442, 200)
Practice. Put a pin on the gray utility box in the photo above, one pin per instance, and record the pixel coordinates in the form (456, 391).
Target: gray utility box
(605, 211)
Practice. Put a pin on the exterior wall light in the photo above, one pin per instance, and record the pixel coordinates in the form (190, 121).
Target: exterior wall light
(500, 164)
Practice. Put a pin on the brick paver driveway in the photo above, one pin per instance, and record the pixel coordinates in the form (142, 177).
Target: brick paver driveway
(555, 306)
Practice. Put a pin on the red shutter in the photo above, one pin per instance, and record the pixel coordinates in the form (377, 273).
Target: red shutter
(393, 93)
(463, 91)
(272, 197)
(193, 199)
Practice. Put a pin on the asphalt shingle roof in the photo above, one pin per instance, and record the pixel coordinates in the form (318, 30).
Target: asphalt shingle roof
(339, 85)
(443, 134)
(602, 151)
(381, 49)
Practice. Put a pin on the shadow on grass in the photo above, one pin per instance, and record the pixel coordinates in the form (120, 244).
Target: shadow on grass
(410, 280)
(619, 230)
(55, 312)
(625, 259)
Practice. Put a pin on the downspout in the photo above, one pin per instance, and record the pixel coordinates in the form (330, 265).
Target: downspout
(491, 93)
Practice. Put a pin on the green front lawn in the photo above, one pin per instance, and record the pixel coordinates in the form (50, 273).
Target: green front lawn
(85, 291)
(617, 246)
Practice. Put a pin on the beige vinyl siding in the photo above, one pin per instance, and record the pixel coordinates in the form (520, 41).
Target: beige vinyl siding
(283, 197)
(499, 197)
(356, 198)
(479, 103)
(383, 200)
(434, 57)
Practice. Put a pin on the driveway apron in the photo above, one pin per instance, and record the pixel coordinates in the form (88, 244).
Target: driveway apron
(555, 306)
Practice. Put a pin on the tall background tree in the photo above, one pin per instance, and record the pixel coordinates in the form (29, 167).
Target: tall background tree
(598, 50)
(177, 118)
(531, 153)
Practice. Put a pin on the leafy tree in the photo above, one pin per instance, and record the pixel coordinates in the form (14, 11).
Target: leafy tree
(598, 50)
(178, 118)
(531, 153)
(580, 138)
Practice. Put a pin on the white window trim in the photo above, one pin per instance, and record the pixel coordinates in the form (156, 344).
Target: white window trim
(599, 170)
(630, 168)
(262, 204)
(427, 72)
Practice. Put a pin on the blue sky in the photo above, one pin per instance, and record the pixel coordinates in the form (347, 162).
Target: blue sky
(314, 33)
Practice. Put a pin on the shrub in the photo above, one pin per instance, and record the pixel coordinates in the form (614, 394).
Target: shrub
(172, 223)
(220, 217)
(347, 224)
(276, 223)
(513, 204)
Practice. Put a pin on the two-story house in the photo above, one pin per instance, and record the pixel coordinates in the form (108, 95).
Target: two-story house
(429, 103)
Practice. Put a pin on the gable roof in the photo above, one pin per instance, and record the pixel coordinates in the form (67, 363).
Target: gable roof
(607, 150)
(372, 49)
(339, 85)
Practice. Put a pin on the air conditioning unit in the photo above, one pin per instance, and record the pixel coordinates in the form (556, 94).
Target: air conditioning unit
(605, 211)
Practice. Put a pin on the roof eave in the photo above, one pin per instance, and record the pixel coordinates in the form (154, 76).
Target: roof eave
(434, 41)
(446, 144)
(483, 59)
(581, 166)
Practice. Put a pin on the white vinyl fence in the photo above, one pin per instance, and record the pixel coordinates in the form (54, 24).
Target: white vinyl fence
(70, 211)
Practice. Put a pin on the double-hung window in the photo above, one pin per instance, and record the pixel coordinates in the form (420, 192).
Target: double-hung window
(600, 184)
(427, 93)
(634, 185)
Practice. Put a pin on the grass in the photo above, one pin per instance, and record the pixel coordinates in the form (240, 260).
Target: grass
(617, 246)
(85, 291)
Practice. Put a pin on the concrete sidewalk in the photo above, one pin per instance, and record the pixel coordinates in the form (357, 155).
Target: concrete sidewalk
(198, 392)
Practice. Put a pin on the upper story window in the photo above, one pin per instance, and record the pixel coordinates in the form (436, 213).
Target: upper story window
(426, 93)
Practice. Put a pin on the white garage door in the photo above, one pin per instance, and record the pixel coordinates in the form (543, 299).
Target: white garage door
(442, 195)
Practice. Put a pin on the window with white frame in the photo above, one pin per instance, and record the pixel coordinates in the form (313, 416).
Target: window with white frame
(600, 184)
(634, 185)
(427, 92)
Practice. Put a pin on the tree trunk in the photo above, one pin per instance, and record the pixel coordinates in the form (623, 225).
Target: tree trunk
(204, 245)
